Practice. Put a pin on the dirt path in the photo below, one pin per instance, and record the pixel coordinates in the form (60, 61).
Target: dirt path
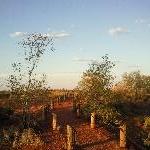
(87, 138)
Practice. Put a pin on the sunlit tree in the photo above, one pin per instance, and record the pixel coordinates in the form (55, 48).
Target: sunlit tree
(97, 81)
(24, 84)
(134, 86)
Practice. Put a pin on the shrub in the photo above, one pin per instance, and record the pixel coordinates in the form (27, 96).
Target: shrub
(108, 114)
(28, 137)
(105, 114)
(88, 109)
(147, 122)
(147, 128)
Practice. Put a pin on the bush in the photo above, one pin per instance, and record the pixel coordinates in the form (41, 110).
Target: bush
(108, 115)
(105, 114)
(88, 109)
(28, 137)
(147, 122)
(147, 129)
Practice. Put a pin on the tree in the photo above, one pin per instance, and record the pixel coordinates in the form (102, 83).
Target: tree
(134, 86)
(23, 83)
(97, 81)
(95, 91)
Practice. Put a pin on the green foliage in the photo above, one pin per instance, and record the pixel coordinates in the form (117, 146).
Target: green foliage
(28, 137)
(147, 122)
(88, 108)
(97, 81)
(108, 115)
(95, 91)
(133, 87)
(23, 83)
(147, 129)
(105, 114)
(25, 86)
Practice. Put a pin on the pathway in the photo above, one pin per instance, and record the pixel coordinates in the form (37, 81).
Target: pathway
(87, 138)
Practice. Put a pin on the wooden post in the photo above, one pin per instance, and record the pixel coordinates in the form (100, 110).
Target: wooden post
(59, 99)
(78, 112)
(54, 122)
(93, 120)
(52, 105)
(123, 135)
(70, 138)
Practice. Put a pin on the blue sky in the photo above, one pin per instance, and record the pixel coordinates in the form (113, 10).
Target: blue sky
(87, 30)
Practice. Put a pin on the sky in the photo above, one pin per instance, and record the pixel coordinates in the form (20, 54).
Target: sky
(85, 30)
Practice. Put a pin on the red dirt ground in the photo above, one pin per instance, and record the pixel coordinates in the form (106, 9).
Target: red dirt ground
(87, 138)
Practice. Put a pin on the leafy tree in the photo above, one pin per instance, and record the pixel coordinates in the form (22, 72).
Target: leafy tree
(134, 86)
(23, 83)
(95, 91)
(97, 81)
(132, 94)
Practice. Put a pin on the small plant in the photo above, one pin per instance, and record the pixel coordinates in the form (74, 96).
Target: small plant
(108, 115)
(147, 128)
(147, 141)
(147, 123)
(28, 137)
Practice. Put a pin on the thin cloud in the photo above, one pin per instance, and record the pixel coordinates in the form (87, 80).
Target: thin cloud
(83, 60)
(61, 34)
(143, 21)
(56, 35)
(140, 21)
(17, 34)
(94, 60)
(118, 31)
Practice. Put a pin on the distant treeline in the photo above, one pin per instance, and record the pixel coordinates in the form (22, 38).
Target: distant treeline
(54, 92)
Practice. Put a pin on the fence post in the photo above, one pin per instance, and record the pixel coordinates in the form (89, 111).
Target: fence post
(123, 129)
(93, 120)
(78, 110)
(70, 138)
(52, 105)
(54, 122)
